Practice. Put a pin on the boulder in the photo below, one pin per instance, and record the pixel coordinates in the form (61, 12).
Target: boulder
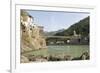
(24, 59)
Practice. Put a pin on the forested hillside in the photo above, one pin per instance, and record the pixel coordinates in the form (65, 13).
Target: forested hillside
(81, 27)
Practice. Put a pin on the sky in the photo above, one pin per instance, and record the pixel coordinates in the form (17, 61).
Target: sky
(53, 21)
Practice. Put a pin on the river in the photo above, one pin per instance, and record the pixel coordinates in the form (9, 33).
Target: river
(59, 50)
(72, 50)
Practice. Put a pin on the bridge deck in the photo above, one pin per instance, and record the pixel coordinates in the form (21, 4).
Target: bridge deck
(64, 37)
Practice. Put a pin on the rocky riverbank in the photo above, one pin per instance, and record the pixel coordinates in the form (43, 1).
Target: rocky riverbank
(63, 57)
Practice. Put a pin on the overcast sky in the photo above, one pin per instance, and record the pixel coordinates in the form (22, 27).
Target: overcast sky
(53, 21)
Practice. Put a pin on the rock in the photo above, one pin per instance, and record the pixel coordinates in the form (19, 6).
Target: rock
(84, 56)
(67, 57)
(31, 37)
(24, 59)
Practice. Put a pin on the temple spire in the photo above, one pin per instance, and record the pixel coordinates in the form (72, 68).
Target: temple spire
(74, 33)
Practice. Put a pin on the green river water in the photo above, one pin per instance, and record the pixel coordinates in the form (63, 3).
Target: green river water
(72, 50)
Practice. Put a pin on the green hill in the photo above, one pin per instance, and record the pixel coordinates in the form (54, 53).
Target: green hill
(81, 27)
